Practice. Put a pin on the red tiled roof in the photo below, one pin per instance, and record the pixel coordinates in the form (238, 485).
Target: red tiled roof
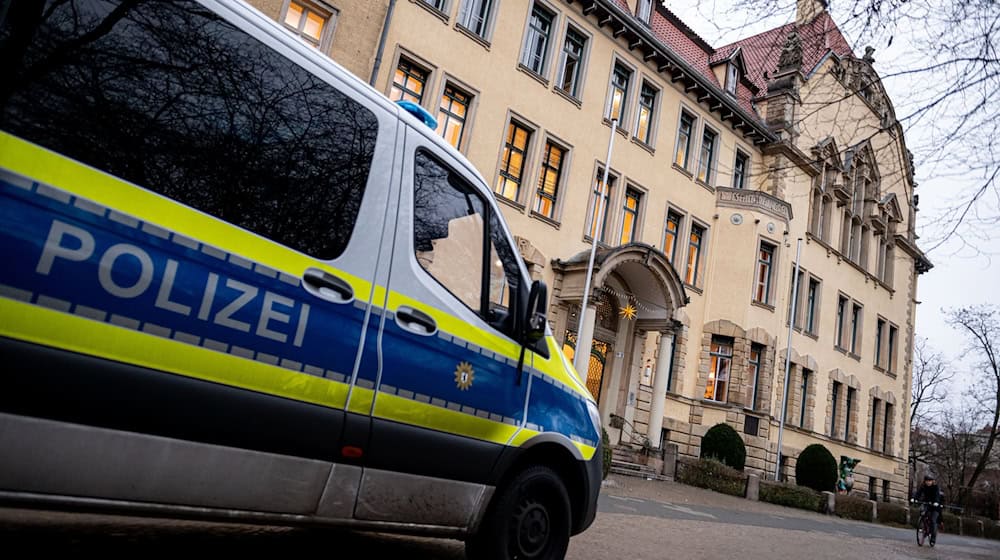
(761, 52)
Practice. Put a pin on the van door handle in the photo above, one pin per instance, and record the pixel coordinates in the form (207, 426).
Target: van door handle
(327, 286)
(415, 321)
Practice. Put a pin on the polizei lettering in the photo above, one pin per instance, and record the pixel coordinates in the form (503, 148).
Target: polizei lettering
(128, 271)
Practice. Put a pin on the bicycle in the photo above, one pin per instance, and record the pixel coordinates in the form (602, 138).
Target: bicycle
(925, 527)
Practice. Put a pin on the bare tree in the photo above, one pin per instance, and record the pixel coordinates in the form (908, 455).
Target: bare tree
(982, 325)
(930, 375)
(950, 448)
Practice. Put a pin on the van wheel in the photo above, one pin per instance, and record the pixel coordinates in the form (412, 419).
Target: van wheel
(528, 519)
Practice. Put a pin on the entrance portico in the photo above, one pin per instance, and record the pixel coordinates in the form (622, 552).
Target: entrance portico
(634, 292)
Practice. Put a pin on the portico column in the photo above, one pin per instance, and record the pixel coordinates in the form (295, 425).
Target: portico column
(660, 386)
(584, 340)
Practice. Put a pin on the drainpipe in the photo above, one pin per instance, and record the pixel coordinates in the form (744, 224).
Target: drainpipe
(381, 42)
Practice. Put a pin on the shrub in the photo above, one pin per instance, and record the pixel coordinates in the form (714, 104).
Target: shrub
(723, 443)
(816, 468)
(606, 450)
(970, 525)
(992, 530)
(712, 474)
(790, 495)
(851, 507)
(892, 514)
(951, 522)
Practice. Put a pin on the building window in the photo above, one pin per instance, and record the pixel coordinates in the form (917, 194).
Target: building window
(822, 201)
(599, 204)
(670, 234)
(891, 348)
(856, 329)
(452, 114)
(647, 105)
(694, 254)
(873, 425)
(885, 490)
(438, 5)
(643, 10)
(879, 333)
(536, 44)
(812, 306)
(886, 427)
(721, 355)
(620, 79)
(841, 312)
(740, 169)
(630, 215)
(684, 132)
(476, 15)
(756, 351)
(847, 415)
(765, 262)
(408, 82)
(834, 401)
(309, 22)
(806, 375)
(732, 77)
(512, 164)
(706, 163)
(549, 180)
(572, 62)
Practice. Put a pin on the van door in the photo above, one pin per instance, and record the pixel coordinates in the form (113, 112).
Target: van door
(184, 238)
(449, 397)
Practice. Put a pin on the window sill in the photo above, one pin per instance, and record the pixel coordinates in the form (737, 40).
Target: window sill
(536, 76)
(839, 349)
(694, 288)
(644, 146)
(854, 356)
(705, 185)
(762, 305)
(546, 219)
(434, 11)
(512, 203)
(620, 129)
(716, 404)
(568, 97)
(590, 241)
(482, 41)
(682, 170)
(811, 335)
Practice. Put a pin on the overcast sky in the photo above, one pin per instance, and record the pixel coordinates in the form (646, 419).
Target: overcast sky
(961, 276)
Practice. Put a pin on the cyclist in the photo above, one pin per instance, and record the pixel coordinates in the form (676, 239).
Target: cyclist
(930, 493)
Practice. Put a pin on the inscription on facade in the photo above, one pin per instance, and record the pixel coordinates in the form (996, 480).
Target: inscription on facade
(754, 200)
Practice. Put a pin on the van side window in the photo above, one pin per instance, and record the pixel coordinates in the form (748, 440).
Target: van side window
(451, 239)
(171, 97)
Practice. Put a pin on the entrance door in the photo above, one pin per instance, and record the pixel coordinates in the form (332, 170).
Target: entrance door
(599, 352)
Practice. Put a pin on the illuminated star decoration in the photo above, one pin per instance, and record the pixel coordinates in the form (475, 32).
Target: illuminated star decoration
(464, 376)
(628, 312)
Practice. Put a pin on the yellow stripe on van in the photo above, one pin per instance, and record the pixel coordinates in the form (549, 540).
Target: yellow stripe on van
(37, 324)
(426, 415)
(48, 167)
(525, 434)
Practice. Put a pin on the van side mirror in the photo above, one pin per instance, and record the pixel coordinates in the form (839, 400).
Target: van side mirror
(536, 319)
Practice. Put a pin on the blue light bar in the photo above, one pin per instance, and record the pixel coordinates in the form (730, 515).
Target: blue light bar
(419, 112)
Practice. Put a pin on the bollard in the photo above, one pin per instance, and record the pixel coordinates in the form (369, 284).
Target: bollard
(874, 513)
(753, 487)
(831, 503)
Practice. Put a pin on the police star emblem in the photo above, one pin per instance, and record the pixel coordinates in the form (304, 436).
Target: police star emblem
(464, 376)
(628, 312)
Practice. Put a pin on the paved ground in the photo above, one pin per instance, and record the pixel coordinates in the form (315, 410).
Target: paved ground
(637, 519)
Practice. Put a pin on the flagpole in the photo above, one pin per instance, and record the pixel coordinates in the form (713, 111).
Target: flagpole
(581, 363)
(788, 356)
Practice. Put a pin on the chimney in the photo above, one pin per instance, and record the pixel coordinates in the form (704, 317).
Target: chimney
(807, 10)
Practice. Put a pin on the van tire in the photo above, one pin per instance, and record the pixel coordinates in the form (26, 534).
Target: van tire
(529, 519)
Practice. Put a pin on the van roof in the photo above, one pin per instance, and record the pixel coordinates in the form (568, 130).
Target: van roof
(255, 17)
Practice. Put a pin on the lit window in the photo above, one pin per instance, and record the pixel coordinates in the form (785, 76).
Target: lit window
(620, 79)
(599, 205)
(408, 82)
(475, 16)
(630, 215)
(644, 124)
(536, 44)
(765, 261)
(740, 169)
(452, 114)
(684, 132)
(706, 163)
(671, 231)
(572, 62)
(308, 21)
(512, 164)
(718, 371)
(549, 179)
(694, 254)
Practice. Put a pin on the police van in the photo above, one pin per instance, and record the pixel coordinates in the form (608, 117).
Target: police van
(240, 284)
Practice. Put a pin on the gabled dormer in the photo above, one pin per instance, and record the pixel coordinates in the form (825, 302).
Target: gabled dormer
(731, 71)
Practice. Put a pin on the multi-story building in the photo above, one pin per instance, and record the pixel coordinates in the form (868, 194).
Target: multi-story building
(723, 158)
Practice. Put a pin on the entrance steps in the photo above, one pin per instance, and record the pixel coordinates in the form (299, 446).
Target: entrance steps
(625, 462)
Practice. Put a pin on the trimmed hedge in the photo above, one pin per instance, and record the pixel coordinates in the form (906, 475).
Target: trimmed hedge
(790, 495)
(991, 531)
(606, 450)
(712, 474)
(950, 523)
(723, 443)
(816, 468)
(850, 507)
(892, 514)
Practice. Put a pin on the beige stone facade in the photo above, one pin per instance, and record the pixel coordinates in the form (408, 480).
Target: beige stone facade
(724, 157)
